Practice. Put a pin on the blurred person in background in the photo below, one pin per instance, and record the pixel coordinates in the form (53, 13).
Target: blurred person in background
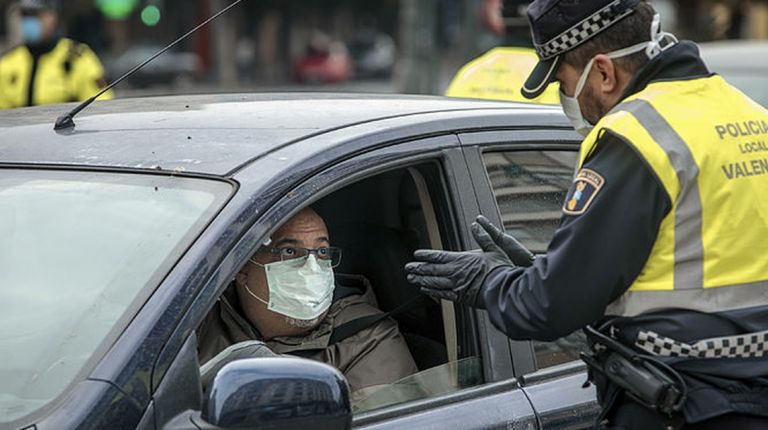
(47, 68)
(500, 73)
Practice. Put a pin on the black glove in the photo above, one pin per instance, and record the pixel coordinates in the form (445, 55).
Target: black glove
(457, 276)
(516, 252)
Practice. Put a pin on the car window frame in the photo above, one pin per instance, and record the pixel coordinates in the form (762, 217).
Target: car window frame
(444, 149)
(475, 144)
(557, 393)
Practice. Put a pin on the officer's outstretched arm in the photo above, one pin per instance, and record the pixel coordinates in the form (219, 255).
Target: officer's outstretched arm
(457, 276)
(607, 231)
(519, 254)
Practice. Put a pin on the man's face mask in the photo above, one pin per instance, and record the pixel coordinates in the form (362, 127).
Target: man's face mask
(301, 288)
(652, 49)
(31, 30)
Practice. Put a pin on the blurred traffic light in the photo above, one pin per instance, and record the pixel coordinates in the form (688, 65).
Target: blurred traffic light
(150, 15)
(117, 9)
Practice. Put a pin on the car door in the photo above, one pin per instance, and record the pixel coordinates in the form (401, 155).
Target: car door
(521, 178)
(494, 399)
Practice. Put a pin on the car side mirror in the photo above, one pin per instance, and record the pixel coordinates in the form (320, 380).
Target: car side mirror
(284, 393)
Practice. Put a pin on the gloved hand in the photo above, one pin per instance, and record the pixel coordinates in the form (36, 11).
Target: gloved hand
(516, 252)
(457, 276)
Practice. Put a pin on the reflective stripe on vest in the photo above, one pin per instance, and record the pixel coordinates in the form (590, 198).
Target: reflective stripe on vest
(710, 253)
(706, 300)
(689, 251)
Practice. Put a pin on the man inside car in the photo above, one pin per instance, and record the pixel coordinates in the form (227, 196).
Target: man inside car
(288, 296)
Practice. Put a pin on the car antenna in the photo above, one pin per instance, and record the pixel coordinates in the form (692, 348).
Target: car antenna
(68, 121)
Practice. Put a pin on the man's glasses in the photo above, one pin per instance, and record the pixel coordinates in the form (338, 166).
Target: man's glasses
(286, 253)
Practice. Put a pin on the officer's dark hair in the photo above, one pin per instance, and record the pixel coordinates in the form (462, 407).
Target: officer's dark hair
(634, 29)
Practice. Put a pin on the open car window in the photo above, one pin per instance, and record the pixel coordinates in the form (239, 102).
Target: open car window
(401, 211)
(378, 222)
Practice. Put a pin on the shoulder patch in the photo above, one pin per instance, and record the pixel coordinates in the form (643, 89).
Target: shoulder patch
(585, 187)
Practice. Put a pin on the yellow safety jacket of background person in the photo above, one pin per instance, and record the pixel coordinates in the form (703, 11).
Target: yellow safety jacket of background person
(68, 72)
(498, 75)
(708, 145)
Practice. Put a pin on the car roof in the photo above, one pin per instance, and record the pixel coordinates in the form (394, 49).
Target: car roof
(735, 54)
(210, 134)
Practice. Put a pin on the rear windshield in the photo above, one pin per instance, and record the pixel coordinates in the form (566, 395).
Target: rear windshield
(80, 253)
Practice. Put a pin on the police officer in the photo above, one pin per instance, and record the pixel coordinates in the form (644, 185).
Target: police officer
(47, 68)
(499, 73)
(661, 252)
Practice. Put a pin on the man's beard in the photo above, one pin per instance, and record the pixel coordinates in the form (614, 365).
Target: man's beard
(593, 111)
(297, 323)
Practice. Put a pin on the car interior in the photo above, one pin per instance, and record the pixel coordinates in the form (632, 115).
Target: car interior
(378, 223)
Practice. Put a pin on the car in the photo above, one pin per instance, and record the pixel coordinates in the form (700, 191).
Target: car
(173, 68)
(120, 234)
(374, 54)
(324, 61)
(743, 63)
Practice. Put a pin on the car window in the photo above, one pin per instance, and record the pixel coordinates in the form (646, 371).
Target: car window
(80, 253)
(529, 187)
(439, 380)
(377, 223)
(401, 211)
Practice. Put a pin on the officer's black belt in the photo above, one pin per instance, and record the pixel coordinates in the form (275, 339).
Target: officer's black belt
(648, 381)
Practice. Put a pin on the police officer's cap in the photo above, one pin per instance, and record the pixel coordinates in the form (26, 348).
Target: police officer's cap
(558, 26)
(38, 5)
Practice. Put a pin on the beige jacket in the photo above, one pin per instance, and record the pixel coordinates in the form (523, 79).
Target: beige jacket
(375, 355)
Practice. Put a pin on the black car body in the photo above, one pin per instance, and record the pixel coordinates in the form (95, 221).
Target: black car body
(388, 173)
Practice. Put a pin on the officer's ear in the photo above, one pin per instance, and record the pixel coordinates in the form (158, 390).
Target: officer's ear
(608, 74)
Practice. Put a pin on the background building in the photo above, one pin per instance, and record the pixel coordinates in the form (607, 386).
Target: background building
(411, 46)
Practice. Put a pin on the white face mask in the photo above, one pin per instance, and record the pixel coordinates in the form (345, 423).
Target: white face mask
(652, 49)
(301, 288)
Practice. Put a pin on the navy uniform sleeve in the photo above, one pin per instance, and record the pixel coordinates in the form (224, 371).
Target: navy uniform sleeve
(611, 218)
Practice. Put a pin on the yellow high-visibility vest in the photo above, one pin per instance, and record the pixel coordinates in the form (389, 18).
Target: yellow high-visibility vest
(707, 143)
(498, 75)
(69, 72)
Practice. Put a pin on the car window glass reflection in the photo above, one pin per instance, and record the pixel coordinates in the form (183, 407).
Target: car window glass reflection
(529, 187)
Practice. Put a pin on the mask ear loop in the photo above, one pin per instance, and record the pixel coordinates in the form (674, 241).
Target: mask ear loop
(613, 55)
(583, 79)
(254, 295)
(252, 261)
(655, 46)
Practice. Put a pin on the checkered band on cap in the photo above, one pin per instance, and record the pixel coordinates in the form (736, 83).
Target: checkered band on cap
(742, 346)
(584, 30)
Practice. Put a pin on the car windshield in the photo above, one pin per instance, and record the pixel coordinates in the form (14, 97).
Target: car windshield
(81, 252)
